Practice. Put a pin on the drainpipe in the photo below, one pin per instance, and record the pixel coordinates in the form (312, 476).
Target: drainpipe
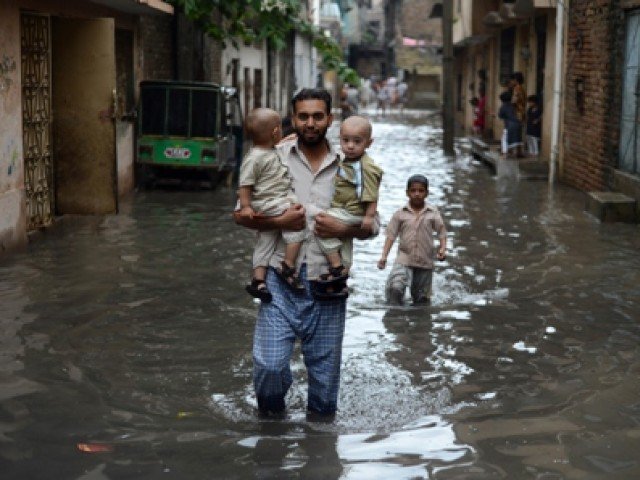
(447, 79)
(557, 92)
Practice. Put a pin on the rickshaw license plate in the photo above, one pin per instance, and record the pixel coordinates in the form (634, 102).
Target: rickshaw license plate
(177, 152)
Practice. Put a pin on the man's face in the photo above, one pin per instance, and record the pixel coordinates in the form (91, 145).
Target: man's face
(311, 121)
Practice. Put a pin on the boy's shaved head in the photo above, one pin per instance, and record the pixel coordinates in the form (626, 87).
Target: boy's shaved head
(358, 123)
(260, 124)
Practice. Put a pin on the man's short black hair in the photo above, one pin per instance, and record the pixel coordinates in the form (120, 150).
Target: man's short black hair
(532, 99)
(506, 96)
(417, 178)
(312, 94)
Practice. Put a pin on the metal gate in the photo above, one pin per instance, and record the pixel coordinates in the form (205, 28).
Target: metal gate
(36, 119)
(629, 155)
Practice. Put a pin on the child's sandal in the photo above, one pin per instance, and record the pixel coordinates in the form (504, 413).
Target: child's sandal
(322, 293)
(336, 276)
(258, 289)
(288, 275)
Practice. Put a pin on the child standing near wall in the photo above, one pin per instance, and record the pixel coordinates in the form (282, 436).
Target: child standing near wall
(512, 135)
(534, 130)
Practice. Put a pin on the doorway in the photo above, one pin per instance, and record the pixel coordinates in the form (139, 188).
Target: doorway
(83, 84)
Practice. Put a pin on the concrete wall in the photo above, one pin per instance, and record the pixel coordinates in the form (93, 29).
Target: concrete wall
(250, 58)
(486, 55)
(12, 195)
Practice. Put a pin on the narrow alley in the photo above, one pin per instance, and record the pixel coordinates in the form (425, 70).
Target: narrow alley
(133, 332)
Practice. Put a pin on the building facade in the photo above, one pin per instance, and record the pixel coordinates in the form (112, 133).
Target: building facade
(68, 76)
(582, 60)
(418, 41)
(492, 41)
(601, 141)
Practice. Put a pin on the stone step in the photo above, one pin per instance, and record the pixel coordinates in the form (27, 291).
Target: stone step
(521, 169)
(478, 144)
(611, 207)
(533, 169)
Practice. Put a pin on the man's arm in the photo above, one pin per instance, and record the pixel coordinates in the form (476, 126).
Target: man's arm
(292, 219)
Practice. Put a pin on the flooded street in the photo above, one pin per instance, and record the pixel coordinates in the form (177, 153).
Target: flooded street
(133, 332)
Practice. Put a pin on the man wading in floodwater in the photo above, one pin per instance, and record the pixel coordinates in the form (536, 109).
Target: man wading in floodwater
(312, 164)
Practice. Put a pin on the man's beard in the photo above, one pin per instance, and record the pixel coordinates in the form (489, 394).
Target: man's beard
(312, 138)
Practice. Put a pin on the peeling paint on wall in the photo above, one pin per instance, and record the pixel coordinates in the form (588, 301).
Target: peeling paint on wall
(7, 67)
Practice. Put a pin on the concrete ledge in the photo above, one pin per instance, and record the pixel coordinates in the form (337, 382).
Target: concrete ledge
(528, 168)
(478, 144)
(611, 207)
(533, 169)
(482, 151)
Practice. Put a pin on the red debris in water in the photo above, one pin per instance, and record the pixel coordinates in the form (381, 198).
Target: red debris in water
(95, 447)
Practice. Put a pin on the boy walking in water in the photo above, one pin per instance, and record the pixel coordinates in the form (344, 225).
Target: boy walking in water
(265, 190)
(354, 202)
(415, 224)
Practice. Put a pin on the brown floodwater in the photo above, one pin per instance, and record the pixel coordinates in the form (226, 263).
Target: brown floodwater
(133, 333)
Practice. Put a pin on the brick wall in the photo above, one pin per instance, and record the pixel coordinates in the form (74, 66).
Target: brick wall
(594, 63)
(156, 46)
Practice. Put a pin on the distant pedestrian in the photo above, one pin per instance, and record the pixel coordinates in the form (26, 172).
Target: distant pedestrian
(392, 89)
(346, 109)
(519, 100)
(403, 95)
(415, 224)
(512, 133)
(353, 98)
(479, 112)
(236, 125)
(534, 130)
(265, 191)
(366, 93)
(382, 95)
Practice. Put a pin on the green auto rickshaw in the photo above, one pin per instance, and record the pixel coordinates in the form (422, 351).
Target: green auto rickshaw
(184, 127)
